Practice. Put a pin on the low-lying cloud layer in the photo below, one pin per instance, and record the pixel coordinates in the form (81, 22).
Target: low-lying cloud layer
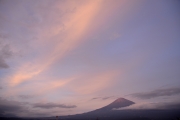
(15, 108)
(147, 106)
(157, 93)
(8, 107)
(52, 105)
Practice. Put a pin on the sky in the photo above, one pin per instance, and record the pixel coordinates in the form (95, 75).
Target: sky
(62, 57)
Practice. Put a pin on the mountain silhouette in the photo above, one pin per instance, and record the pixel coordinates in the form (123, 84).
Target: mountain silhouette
(108, 113)
(118, 103)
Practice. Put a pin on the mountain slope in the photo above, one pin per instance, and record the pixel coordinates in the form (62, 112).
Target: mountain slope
(106, 113)
(118, 103)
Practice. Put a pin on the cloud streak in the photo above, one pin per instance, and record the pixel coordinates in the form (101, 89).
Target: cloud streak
(103, 98)
(73, 28)
(93, 82)
(25, 96)
(5, 53)
(13, 108)
(9, 107)
(147, 106)
(44, 86)
(52, 105)
(157, 93)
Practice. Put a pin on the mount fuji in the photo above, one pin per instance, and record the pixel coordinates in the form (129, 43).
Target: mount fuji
(118, 103)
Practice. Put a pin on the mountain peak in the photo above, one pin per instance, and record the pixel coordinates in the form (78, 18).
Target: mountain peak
(118, 103)
(120, 100)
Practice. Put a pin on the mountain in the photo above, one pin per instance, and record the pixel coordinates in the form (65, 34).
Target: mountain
(120, 102)
(108, 113)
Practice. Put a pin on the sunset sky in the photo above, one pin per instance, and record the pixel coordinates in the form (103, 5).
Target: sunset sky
(61, 57)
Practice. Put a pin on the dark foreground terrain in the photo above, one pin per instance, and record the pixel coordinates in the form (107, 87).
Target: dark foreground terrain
(115, 115)
(107, 113)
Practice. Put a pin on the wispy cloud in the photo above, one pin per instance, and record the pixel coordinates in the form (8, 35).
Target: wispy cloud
(25, 96)
(103, 98)
(74, 28)
(93, 82)
(95, 98)
(5, 53)
(157, 93)
(147, 106)
(52, 105)
(44, 86)
(9, 107)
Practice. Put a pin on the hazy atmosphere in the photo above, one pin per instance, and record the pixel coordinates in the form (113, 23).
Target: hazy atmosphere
(63, 57)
